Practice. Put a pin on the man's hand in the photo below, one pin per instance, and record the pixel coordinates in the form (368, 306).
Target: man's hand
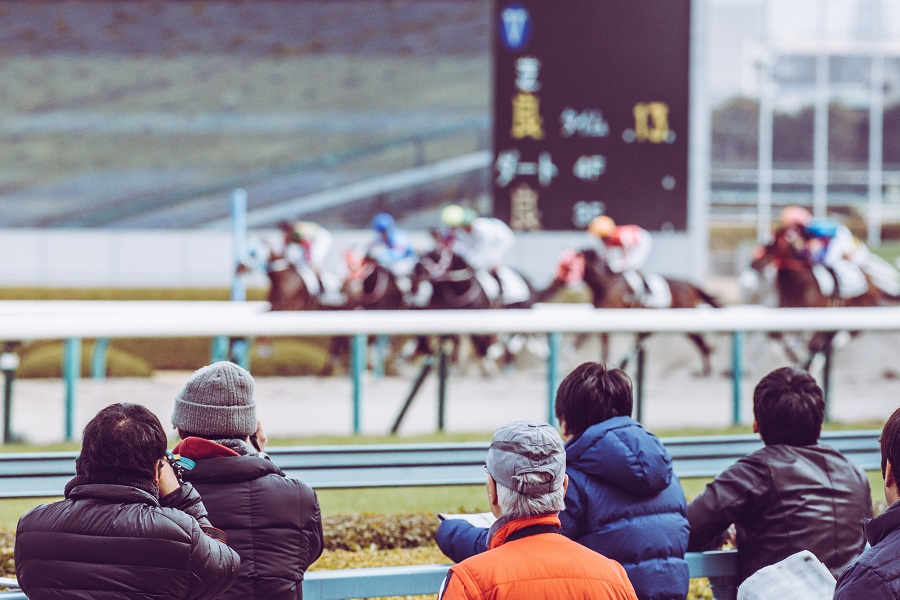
(168, 483)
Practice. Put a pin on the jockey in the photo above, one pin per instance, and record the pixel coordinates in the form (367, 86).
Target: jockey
(391, 246)
(626, 248)
(306, 243)
(832, 245)
(483, 242)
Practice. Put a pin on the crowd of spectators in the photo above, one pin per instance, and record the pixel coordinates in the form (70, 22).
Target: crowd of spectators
(595, 513)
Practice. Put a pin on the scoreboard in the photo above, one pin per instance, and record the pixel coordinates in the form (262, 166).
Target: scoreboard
(591, 113)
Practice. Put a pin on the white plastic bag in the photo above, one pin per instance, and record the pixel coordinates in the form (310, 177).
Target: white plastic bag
(800, 576)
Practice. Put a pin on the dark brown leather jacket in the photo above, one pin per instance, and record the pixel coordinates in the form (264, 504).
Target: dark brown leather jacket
(783, 499)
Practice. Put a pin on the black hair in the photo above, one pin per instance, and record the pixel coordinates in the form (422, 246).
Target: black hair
(890, 444)
(122, 441)
(788, 407)
(591, 394)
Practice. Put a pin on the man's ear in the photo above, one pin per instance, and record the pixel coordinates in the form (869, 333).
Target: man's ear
(755, 426)
(492, 490)
(890, 479)
(565, 484)
(159, 466)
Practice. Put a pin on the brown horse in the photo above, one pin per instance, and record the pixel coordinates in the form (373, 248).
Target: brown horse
(610, 289)
(798, 287)
(372, 286)
(795, 281)
(287, 289)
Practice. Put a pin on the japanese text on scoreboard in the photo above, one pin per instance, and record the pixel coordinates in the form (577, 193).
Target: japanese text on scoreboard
(591, 113)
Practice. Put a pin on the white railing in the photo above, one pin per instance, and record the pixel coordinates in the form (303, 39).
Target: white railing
(185, 319)
(75, 320)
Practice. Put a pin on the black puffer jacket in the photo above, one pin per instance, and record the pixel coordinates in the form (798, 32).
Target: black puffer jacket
(783, 499)
(116, 542)
(271, 520)
(875, 576)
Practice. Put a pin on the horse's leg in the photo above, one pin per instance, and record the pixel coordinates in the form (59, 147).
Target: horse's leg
(705, 352)
(485, 346)
(340, 345)
(604, 347)
(638, 342)
(817, 345)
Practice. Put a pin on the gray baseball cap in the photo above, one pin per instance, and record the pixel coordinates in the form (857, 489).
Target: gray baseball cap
(522, 447)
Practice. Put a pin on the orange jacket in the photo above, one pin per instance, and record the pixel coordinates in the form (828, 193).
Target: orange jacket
(527, 559)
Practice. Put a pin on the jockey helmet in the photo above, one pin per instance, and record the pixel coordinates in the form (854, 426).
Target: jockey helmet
(383, 222)
(453, 215)
(795, 215)
(306, 230)
(602, 226)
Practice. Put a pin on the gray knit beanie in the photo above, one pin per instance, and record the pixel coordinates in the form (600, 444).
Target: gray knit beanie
(217, 402)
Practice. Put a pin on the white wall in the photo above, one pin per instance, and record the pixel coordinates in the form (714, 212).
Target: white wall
(198, 258)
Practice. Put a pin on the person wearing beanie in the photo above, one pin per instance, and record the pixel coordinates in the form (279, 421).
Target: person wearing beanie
(272, 521)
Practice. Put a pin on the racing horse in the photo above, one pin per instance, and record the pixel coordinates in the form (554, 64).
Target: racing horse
(288, 291)
(454, 285)
(610, 289)
(372, 286)
(797, 286)
(287, 288)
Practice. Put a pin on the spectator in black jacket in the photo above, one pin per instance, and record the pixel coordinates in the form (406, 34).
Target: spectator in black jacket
(875, 576)
(793, 494)
(271, 520)
(127, 528)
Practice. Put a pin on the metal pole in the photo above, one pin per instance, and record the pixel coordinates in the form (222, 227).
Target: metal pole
(699, 147)
(820, 129)
(553, 343)
(240, 350)
(639, 382)
(218, 349)
(417, 384)
(442, 383)
(826, 377)
(71, 374)
(239, 242)
(357, 367)
(98, 359)
(9, 362)
(766, 124)
(876, 138)
(737, 374)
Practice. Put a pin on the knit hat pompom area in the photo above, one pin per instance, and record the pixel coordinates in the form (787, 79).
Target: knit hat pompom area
(217, 401)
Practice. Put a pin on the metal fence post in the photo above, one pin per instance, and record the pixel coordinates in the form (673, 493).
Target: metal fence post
(553, 343)
(639, 382)
(239, 350)
(737, 374)
(357, 367)
(71, 374)
(98, 358)
(442, 382)
(9, 362)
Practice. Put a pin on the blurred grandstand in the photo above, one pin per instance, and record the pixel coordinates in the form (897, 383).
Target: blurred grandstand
(146, 115)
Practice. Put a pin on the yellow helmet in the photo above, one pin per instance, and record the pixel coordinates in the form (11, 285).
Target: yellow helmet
(795, 215)
(602, 226)
(453, 215)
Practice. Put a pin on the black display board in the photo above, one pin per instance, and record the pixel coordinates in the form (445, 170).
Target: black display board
(591, 112)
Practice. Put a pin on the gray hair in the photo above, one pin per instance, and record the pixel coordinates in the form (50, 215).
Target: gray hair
(516, 505)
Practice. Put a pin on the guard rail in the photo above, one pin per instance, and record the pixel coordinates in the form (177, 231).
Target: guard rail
(37, 475)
